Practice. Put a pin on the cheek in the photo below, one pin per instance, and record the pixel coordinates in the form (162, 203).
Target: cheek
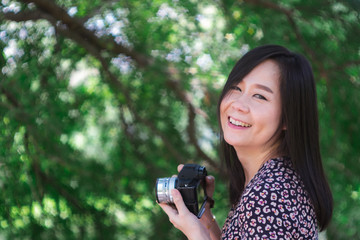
(222, 109)
(270, 118)
(275, 120)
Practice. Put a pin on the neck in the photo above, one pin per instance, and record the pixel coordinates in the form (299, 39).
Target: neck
(251, 161)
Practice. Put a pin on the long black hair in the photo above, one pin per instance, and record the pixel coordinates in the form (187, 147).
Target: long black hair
(300, 140)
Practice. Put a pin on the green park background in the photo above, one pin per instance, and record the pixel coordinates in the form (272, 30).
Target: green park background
(100, 98)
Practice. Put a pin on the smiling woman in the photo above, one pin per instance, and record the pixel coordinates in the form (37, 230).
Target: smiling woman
(269, 135)
(277, 159)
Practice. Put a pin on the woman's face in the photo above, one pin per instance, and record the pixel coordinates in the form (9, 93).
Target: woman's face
(250, 112)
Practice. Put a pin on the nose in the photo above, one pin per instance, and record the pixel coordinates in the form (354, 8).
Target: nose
(240, 104)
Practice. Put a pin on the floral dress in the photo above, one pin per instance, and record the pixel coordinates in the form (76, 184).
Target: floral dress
(274, 205)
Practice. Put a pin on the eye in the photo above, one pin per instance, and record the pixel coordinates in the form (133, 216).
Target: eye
(235, 88)
(260, 97)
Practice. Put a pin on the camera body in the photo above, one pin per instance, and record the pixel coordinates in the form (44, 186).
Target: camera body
(191, 184)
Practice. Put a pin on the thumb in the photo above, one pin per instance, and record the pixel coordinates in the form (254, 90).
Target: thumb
(179, 202)
(179, 167)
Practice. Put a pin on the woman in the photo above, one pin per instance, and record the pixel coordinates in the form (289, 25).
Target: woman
(270, 141)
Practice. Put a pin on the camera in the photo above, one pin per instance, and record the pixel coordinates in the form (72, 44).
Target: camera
(191, 184)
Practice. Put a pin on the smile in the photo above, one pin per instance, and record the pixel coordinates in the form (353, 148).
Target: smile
(238, 123)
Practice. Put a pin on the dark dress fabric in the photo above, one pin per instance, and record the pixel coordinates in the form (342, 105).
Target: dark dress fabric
(274, 205)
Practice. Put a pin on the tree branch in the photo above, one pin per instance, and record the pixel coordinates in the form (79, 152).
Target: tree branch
(173, 83)
(32, 15)
(113, 81)
(39, 194)
(76, 25)
(72, 28)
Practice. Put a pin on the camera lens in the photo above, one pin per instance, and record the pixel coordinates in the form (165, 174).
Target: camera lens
(163, 189)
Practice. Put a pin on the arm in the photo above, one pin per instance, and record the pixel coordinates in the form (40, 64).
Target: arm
(209, 222)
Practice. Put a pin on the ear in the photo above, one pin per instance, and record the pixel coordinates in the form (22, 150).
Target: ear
(284, 128)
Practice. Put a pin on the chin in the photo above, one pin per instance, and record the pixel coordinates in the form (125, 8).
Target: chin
(233, 142)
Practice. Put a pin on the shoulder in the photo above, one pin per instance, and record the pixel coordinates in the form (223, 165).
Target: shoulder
(277, 203)
(276, 178)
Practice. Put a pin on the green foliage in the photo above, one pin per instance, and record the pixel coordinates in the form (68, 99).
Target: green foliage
(99, 98)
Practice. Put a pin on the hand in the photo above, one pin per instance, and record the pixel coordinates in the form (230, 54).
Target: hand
(183, 219)
(207, 220)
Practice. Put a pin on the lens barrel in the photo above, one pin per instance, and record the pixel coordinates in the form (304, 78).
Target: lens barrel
(163, 189)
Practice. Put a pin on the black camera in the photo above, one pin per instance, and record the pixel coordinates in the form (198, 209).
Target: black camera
(191, 184)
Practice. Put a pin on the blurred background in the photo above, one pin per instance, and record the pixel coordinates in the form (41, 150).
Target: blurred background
(100, 98)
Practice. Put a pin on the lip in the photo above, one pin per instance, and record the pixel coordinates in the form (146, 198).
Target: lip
(238, 127)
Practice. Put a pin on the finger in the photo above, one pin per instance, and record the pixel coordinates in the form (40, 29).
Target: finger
(169, 210)
(179, 202)
(210, 185)
(179, 167)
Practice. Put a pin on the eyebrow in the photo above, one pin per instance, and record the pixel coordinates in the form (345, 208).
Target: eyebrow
(265, 88)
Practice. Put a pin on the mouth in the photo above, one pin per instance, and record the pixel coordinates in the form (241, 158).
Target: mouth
(238, 123)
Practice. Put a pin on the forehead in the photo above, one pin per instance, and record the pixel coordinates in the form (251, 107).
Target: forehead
(266, 73)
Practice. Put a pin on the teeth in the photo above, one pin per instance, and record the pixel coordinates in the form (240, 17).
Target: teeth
(238, 123)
